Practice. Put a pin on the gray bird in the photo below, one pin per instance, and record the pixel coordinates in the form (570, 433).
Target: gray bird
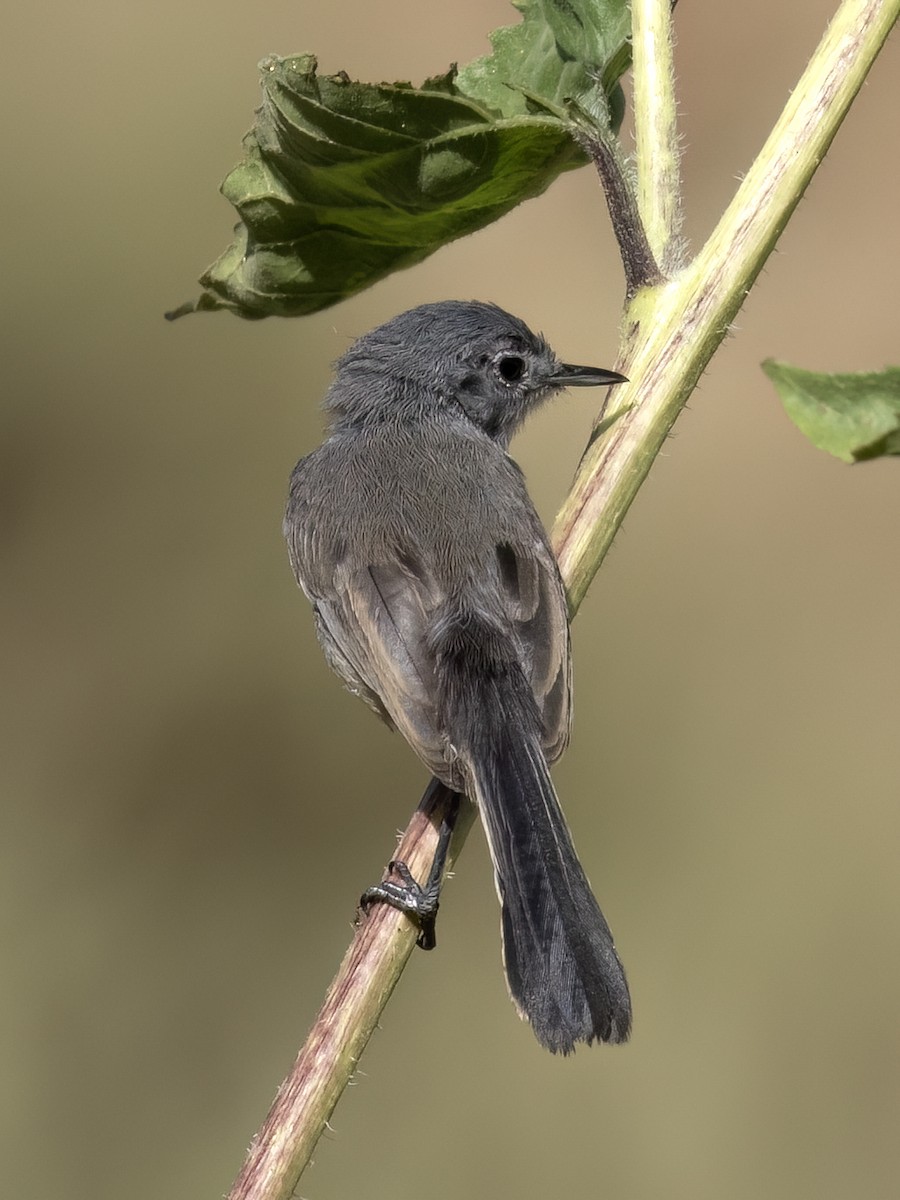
(438, 600)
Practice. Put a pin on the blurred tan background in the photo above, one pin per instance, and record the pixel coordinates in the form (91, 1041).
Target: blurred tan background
(182, 838)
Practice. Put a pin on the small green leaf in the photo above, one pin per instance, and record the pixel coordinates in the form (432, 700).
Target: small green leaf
(853, 417)
(343, 183)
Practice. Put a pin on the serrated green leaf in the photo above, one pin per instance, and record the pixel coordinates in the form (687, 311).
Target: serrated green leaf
(853, 417)
(343, 183)
(560, 52)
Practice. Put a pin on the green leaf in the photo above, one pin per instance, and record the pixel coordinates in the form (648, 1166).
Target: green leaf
(343, 183)
(558, 53)
(853, 417)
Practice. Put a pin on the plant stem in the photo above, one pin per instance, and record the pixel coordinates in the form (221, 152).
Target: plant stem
(672, 331)
(655, 129)
(641, 268)
(381, 945)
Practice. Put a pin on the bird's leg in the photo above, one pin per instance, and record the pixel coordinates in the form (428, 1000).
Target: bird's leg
(419, 901)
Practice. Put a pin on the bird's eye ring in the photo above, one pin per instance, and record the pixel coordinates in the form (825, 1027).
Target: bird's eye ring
(511, 367)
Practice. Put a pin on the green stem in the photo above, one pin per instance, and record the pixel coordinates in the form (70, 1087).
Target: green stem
(672, 330)
(373, 964)
(655, 128)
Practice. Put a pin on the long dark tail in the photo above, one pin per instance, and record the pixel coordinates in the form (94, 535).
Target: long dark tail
(563, 972)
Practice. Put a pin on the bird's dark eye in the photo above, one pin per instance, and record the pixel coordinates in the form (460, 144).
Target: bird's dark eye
(511, 367)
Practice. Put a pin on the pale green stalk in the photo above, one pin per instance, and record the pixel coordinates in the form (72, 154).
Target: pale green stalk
(671, 330)
(655, 128)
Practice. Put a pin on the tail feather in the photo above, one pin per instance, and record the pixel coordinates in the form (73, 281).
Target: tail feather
(562, 969)
(563, 972)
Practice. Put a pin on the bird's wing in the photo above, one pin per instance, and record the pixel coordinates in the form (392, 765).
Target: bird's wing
(534, 604)
(378, 617)
(380, 622)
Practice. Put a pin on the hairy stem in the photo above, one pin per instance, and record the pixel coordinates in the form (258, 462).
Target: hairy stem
(641, 268)
(373, 964)
(655, 128)
(672, 331)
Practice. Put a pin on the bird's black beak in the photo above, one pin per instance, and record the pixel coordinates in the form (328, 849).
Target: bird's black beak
(568, 375)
